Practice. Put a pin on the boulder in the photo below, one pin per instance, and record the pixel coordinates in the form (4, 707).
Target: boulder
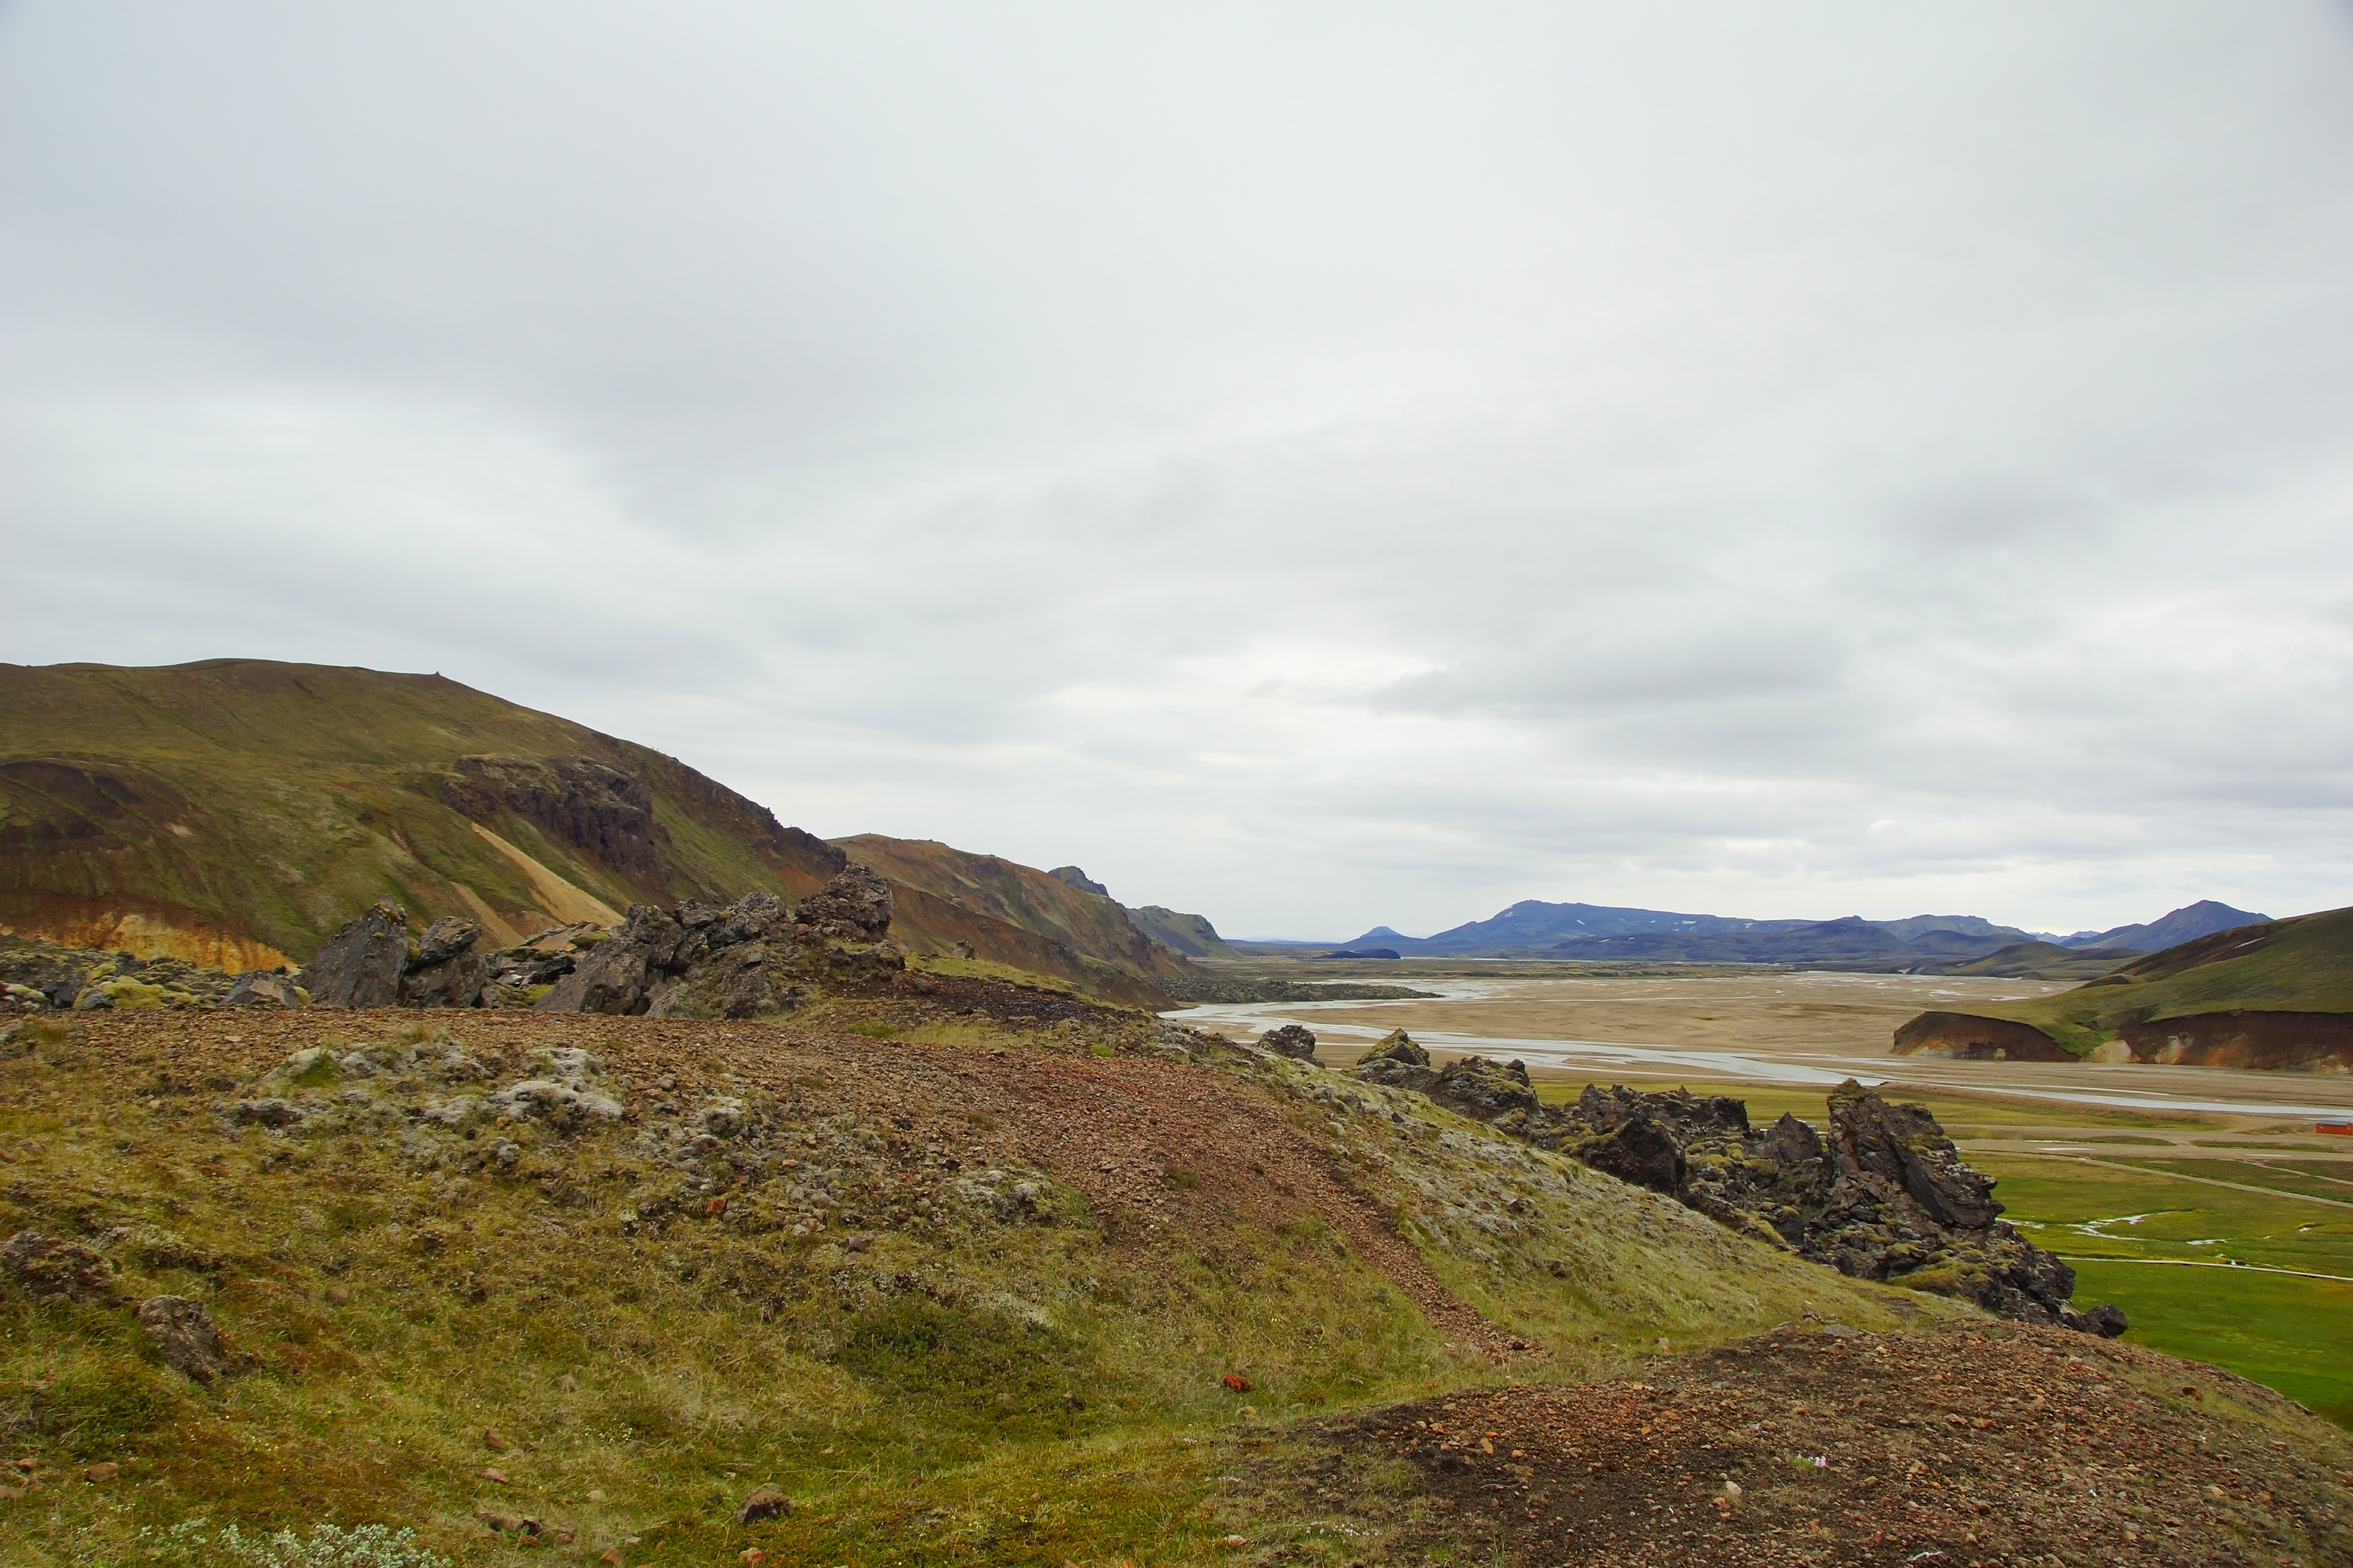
(2105, 1321)
(263, 988)
(50, 1268)
(1488, 1090)
(616, 975)
(1290, 1040)
(854, 906)
(1640, 1151)
(186, 1334)
(753, 916)
(1396, 1062)
(455, 982)
(1902, 1144)
(444, 940)
(362, 964)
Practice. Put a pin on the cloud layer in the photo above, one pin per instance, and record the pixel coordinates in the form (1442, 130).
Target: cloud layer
(1315, 464)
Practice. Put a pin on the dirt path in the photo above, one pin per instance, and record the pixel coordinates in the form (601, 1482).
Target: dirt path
(2001, 1445)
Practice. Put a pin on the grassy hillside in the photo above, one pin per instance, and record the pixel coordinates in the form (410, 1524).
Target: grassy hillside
(1190, 935)
(1078, 935)
(1008, 1286)
(2300, 965)
(2042, 961)
(238, 809)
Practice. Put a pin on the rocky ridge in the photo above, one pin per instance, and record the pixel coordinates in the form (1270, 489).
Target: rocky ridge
(1884, 1197)
(752, 958)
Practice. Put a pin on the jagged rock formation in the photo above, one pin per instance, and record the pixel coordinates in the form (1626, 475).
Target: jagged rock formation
(1294, 1040)
(752, 959)
(749, 959)
(854, 906)
(1885, 1196)
(742, 960)
(1072, 877)
(362, 964)
(445, 970)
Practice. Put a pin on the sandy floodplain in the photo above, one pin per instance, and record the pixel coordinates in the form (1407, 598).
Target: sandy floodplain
(1791, 1027)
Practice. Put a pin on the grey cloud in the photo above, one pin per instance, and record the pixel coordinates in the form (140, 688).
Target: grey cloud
(1309, 465)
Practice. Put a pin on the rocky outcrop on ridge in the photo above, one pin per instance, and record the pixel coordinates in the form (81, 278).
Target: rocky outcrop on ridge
(1884, 1197)
(752, 958)
(749, 959)
(1294, 1040)
(362, 964)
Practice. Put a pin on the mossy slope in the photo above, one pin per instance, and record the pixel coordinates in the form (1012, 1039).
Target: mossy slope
(968, 1302)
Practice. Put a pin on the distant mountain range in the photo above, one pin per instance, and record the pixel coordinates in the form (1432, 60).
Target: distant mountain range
(2201, 919)
(1534, 929)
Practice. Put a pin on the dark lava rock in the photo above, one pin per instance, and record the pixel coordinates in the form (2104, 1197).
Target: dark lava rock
(1395, 1060)
(1884, 1195)
(444, 940)
(618, 974)
(1902, 1146)
(854, 906)
(2105, 1321)
(1290, 1040)
(455, 982)
(186, 1334)
(50, 1268)
(1640, 1151)
(1070, 876)
(1491, 1092)
(748, 960)
(527, 966)
(362, 964)
(753, 916)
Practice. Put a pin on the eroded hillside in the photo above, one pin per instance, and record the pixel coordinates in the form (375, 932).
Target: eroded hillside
(906, 1280)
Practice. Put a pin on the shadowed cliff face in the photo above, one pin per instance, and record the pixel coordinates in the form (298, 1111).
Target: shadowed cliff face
(603, 813)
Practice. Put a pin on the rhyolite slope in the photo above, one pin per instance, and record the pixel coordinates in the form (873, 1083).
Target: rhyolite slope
(2278, 994)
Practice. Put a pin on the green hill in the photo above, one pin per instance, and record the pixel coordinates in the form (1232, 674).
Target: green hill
(236, 811)
(1191, 935)
(2040, 960)
(2275, 995)
(946, 895)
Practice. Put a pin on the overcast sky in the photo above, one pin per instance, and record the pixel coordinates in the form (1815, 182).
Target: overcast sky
(1313, 464)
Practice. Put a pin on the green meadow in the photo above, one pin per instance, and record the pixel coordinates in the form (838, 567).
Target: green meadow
(2213, 1273)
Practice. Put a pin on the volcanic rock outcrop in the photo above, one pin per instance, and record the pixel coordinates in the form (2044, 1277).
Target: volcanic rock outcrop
(362, 964)
(1884, 1197)
(39, 976)
(1294, 1040)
